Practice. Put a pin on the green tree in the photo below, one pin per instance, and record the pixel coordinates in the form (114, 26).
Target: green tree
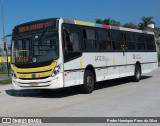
(99, 21)
(115, 23)
(130, 25)
(145, 22)
(108, 21)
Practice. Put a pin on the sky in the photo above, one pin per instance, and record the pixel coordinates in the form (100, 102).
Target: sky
(124, 11)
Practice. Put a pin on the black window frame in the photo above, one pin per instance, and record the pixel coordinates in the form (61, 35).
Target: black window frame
(93, 40)
(128, 42)
(71, 55)
(106, 40)
(140, 42)
(120, 41)
(148, 44)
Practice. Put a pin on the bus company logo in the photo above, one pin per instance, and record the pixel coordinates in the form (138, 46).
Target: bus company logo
(6, 120)
(33, 76)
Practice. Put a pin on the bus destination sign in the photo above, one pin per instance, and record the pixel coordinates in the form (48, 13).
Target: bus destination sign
(37, 26)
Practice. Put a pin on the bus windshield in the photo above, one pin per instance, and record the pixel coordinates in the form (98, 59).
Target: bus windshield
(36, 48)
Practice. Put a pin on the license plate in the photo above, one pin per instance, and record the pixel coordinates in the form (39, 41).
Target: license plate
(32, 84)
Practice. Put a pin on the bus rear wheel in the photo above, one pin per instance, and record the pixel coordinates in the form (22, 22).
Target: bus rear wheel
(89, 82)
(137, 73)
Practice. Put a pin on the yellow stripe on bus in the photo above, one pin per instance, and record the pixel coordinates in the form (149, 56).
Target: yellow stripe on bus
(36, 75)
(38, 69)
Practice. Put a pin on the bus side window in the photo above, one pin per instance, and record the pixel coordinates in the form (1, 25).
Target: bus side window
(130, 43)
(67, 45)
(71, 45)
(150, 43)
(71, 41)
(104, 41)
(89, 39)
(141, 46)
(74, 40)
(117, 41)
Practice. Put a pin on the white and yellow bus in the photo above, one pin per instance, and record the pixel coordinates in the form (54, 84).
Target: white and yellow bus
(56, 53)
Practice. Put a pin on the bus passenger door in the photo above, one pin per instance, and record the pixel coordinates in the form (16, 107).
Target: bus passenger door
(123, 67)
(128, 47)
(117, 57)
(72, 54)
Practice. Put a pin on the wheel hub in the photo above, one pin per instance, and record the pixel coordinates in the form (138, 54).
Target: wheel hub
(89, 81)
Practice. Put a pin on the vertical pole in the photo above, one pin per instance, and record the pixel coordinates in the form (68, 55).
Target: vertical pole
(4, 35)
(3, 20)
(7, 61)
(3, 29)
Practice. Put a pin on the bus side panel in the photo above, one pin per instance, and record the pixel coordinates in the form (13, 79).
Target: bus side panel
(147, 58)
(72, 72)
(154, 66)
(114, 61)
(98, 61)
(130, 64)
(132, 59)
(127, 68)
(101, 71)
(149, 62)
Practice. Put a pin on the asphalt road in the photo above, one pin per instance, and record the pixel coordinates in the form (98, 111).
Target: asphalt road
(114, 98)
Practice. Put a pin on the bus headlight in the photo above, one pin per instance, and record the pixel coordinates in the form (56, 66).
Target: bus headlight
(56, 70)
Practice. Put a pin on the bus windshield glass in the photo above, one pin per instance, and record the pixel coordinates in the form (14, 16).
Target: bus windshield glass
(37, 48)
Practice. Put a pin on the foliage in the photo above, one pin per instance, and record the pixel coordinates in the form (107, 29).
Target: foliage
(3, 71)
(6, 81)
(130, 25)
(145, 22)
(99, 21)
(142, 25)
(108, 21)
(115, 23)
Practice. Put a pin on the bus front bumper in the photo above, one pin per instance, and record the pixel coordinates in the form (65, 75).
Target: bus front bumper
(47, 83)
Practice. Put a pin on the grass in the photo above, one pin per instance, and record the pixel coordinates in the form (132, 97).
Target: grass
(6, 81)
(3, 71)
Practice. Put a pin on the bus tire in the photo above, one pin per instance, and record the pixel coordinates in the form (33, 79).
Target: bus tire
(137, 73)
(89, 82)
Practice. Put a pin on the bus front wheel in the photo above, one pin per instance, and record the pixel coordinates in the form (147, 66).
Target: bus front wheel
(137, 73)
(89, 82)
